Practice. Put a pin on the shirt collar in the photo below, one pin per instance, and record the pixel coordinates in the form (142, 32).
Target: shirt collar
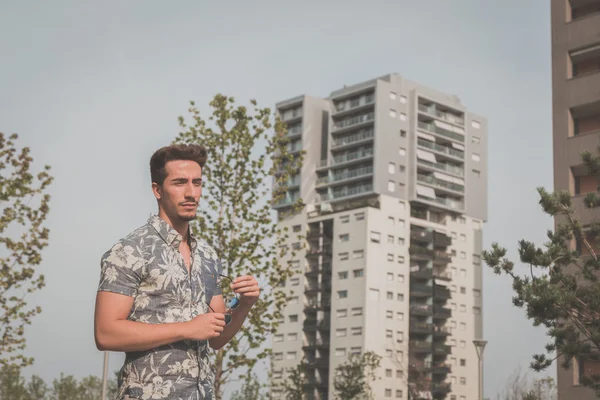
(168, 234)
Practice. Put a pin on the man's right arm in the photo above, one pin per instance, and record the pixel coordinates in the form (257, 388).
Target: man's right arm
(114, 332)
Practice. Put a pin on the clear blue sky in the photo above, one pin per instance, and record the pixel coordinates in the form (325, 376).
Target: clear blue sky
(95, 87)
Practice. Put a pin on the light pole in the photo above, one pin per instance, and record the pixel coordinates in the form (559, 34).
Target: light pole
(480, 346)
(104, 376)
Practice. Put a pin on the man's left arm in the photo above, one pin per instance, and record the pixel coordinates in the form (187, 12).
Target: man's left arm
(246, 287)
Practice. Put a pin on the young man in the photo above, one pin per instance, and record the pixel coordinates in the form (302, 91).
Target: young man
(156, 286)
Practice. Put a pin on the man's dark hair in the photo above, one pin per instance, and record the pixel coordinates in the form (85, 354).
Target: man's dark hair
(160, 158)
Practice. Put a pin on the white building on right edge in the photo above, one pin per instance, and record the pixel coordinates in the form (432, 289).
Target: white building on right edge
(395, 182)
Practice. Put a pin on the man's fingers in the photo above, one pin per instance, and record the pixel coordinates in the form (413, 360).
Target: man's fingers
(219, 316)
(242, 279)
(248, 289)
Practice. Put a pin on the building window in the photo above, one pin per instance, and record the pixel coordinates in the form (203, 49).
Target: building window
(295, 281)
(463, 308)
(357, 311)
(476, 157)
(278, 356)
(344, 237)
(402, 133)
(398, 393)
(463, 237)
(293, 300)
(393, 113)
(401, 223)
(400, 316)
(463, 290)
(402, 117)
(463, 255)
(294, 318)
(340, 332)
(296, 246)
(463, 362)
(341, 313)
(344, 219)
(278, 338)
(343, 256)
(390, 276)
(463, 326)
(463, 344)
(401, 259)
(359, 216)
(399, 374)
(339, 352)
(292, 337)
(477, 310)
(388, 392)
(392, 96)
(390, 295)
(390, 239)
(388, 373)
(390, 257)
(389, 353)
(389, 333)
(463, 273)
(296, 228)
(400, 297)
(357, 331)
(400, 278)
(375, 237)
(477, 173)
(402, 151)
(358, 254)
(358, 273)
(391, 168)
(343, 275)
(389, 314)
(401, 241)
(476, 293)
(476, 124)
(342, 294)
(401, 168)
(291, 355)
(399, 337)
(463, 381)
(355, 350)
(391, 186)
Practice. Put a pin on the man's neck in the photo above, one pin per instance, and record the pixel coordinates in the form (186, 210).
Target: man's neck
(182, 227)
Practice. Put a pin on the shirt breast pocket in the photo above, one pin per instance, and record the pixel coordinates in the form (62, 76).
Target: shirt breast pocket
(210, 280)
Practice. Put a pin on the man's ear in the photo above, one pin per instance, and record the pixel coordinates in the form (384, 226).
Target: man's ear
(156, 189)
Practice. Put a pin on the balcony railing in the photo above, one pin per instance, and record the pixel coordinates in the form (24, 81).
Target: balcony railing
(442, 239)
(440, 148)
(421, 309)
(421, 234)
(421, 327)
(355, 137)
(354, 120)
(355, 155)
(421, 251)
(440, 183)
(442, 312)
(443, 167)
(417, 288)
(431, 110)
(350, 104)
(420, 345)
(442, 349)
(442, 256)
(294, 130)
(446, 202)
(352, 191)
(441, 131)
(423, 272)
(441, 292)
(354, 173)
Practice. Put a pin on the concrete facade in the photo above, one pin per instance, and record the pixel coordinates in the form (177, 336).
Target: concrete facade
(576, 125)
(395, 182)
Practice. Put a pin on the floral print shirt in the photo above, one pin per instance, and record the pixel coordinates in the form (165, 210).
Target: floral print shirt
(148, 266)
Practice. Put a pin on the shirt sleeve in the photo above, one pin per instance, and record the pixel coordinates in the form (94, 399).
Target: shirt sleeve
(219, 269)
(120, 270)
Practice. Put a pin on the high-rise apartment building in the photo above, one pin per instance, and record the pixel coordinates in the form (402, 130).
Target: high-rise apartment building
(576, 127)
(395, 185)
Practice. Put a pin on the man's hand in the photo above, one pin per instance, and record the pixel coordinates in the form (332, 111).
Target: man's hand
(205, 326)
(247, 288)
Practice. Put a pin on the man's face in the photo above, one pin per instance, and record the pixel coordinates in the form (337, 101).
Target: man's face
(180, 192)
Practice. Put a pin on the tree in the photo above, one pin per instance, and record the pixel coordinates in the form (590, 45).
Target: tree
(12, 384)
(352, 378)
(293, 386)
(243, 156)
(22, 234)
(520, 387)
(560, 290)
(250, 389)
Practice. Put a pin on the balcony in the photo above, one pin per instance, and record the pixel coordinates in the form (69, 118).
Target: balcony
(421, 309)
(294, 115)
(362, 154)
(441, 368)
(293, 182)
(421, 253)
(315, 252)
(321, 362)
(421, 235)
(451, 169)
(348, 175)
(445, 276)
(421, 327)
(445, 116)
(349, 191)
(286, 202)
(294, 131)
(363, 136)
(420, 290)
(444, 201)
(436, 130)
(319, 287)
(314, 344)
(312, 382)
(442, 292)
(440, 389)
(422, 273)
(441, 331)
(355, 120)
(440, 184)
(314, 271)
(419, 346)
(442, 257)
(442, 312)
(346, 106)
(442, 349)
(448, 151)
(441, 239)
